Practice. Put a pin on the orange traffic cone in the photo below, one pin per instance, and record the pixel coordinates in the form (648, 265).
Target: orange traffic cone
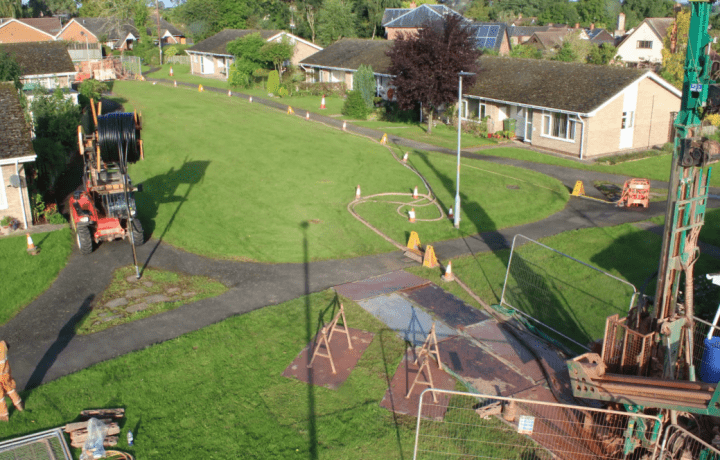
(307, 115)
(229, 93)
(200, 88)
(448, 276)
(250, 100)
(175, 83)
(405, 157)
(31, 249)
(450, 214)
(411, 215)
(357, 192)
(322, 104)
(415, 193)
(344, 125)
(171, 72)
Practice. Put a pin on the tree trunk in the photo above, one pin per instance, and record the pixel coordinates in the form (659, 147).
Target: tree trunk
(310, 14)
(430, 121)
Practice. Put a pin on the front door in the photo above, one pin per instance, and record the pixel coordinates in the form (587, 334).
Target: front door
(520, 122)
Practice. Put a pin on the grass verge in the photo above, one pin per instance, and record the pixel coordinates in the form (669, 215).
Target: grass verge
(442, 135)
(230, 179)
(23, 276)
(244, 407)
(178, 288)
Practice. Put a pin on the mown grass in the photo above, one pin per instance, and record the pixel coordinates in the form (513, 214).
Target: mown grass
(23, 276)
(442, 135)
(230, 179)
(183, 288)
(567, 296)
(219, 393)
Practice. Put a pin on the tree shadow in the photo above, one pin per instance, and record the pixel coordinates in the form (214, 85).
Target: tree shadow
(63, 339)
(162, 189)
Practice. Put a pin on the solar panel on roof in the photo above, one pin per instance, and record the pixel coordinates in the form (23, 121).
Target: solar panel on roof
(494, 30)
(490, 43)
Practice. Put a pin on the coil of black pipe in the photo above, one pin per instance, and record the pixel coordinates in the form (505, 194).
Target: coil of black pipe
(117, 131)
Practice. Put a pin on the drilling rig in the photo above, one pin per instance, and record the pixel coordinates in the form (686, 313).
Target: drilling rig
(650, 358)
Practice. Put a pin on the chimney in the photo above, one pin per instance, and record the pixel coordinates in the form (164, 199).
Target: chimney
(592, 27)
(577, 25)
(621, 24)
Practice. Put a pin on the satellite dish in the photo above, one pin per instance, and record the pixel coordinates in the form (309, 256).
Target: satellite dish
(15, 180)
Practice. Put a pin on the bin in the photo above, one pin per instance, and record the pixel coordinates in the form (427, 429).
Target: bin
(509, 124)
(710, 364)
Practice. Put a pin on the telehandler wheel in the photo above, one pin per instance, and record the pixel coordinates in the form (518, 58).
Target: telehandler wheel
(83, 239)
(138, 235)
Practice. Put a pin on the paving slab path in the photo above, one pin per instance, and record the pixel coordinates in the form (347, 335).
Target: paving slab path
(44, 346)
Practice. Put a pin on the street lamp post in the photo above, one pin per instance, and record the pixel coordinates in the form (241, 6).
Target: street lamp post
(456, 223)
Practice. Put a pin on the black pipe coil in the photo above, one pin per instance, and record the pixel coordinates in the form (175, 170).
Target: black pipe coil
(116, 132)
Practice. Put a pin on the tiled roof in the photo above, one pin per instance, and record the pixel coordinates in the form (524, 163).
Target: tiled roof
(391, 14)
(14, 129)
(557, 85)
(488, 34)
(217, 44)
(600, 36)
(525, 31)
(40, 58)
(350, 53)
(48, 25)
(551, 39)
(164, 25)
(104, 27)
(660, 25)
(418, 17)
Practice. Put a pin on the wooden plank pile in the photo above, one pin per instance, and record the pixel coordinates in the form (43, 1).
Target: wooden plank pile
(78, 431)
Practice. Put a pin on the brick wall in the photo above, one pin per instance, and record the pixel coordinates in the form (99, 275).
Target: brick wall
(12, 194)
(603, 130)
(301, 52)
(571, 146)
(392, 32)
(17, 32)
(72, 33)
(652, 116)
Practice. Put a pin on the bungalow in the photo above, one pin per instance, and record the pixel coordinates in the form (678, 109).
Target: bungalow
(338, 63)
(15, 151)
(578, 109)
(100, 30)
(644, 44)
(520, 34)
(44, 65)
(210, 58)
(410, 20)
(492, 35)
(27, 30)
(169, 34)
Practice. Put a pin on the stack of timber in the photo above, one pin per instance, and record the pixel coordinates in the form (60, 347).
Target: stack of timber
(78, 431)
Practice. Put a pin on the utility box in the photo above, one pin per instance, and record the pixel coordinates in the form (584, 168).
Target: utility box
(509, 124)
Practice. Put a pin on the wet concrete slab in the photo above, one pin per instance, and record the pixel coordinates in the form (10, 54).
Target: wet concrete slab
(481, 369)
(501, 343)
(379, 285)
(344, 359)
(396, 397)
(412, 323)
(445, 306)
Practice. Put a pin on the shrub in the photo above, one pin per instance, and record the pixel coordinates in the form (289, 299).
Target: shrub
(6, 221)
(90, 89)
(395, 115)
(713, 119)
(354, 106)
(366, 84)
(170, 51)
(282, 92)
(273, 82)
(318, 89)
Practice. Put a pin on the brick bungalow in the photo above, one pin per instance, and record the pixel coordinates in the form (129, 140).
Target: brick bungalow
(210, 58)
(15, 151)
(578, 109)
(27, 30)
(44, 64)
(338, 63)
(100, 30)
(410, 20)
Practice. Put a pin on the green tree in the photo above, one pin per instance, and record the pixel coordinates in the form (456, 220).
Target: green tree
(478, 10)
(649, 8)
(525, 51)
(335, 21)
(170, 51)
(354, 106)
(277, 52)
(602, 55)
(51, 7)
(91, 89)
(10, 69)
(369, 15)
(673, 64)
(273, 82)
(364, 82)
(560, 13)
(565, 53)
(595, 12)
(10, 8)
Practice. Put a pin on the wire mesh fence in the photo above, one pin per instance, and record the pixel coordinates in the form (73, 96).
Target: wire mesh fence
(680, 444)
(492, 427)
(178, 60)
(567, 299)
(131, 64)
(46, 445)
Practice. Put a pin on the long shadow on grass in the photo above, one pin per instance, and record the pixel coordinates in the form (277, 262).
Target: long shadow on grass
(534, 289)
(312, 418)
(389, 373)
(64, 337)
(162, 189)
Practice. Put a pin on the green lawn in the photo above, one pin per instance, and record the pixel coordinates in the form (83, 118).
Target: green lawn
(24, 277)
(219, 393)
(226, 178)
(576, 300)
(442, 135)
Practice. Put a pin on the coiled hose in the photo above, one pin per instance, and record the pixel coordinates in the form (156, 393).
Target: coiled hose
(118, 131)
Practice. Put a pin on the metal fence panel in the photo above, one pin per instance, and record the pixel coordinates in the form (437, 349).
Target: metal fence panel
(567, 298)
(178, 60)
(680, 444)
(46, 445)
(479, 426)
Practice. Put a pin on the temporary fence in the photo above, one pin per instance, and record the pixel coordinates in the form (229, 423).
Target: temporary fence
(680, 444)
(131, 64)
(563, 297)
(178, 60)
(475, 426)
(46, 445)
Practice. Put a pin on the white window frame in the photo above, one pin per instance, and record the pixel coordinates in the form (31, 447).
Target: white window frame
(549, 126)
(639, 42)
(628, 120)
(3, 192)
(482, 109)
